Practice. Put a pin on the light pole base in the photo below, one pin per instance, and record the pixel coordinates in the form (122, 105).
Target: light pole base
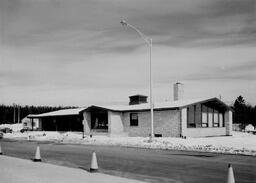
(150, 138)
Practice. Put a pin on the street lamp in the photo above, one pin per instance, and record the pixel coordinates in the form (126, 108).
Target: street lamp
(149, 42)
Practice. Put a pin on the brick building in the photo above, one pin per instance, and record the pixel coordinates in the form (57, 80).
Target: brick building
(187, 118)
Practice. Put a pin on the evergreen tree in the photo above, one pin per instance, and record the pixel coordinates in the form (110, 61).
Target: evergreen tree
(244, 114)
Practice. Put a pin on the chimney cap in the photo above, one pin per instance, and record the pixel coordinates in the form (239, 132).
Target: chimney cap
(137, 95)
(137, 99)
(179, 83)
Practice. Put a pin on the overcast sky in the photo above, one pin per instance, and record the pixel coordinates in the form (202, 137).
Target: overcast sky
(75, 52)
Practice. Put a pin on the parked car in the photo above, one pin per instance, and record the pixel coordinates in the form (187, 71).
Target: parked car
(6, 130)
(25, 129)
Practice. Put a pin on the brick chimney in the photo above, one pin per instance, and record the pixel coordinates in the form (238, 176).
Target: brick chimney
(178, 91)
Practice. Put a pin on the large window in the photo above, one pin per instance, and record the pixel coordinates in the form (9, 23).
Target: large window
(191, 115)
(222, 124)
(215, 119)
(134, 119)
(204, 117)
(212, 117)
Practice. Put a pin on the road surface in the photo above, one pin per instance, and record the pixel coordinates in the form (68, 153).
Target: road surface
(141, 164)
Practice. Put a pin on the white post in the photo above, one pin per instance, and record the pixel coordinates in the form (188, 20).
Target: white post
(18, 114)
(14, 117)
(184, 122)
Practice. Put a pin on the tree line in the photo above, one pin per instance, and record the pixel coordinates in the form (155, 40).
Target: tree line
(9, 113)
(244, 113)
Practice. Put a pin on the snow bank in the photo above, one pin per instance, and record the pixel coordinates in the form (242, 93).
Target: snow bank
(15, 127)
(239, 143)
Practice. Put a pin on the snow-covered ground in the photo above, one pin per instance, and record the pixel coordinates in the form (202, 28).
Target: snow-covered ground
(239, 143)
(15, 127)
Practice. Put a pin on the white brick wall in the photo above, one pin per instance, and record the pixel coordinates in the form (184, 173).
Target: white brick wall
(205, 132)
(115, 124)
(166, 122)
(184, 122)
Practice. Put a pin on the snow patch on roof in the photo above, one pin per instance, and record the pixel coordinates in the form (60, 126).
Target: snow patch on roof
(63, 112)
(146, 106)
(123, 108)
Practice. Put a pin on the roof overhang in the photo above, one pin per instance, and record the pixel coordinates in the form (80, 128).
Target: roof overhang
(59, 113)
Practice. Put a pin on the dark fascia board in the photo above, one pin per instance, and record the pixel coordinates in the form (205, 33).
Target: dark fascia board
(53, 116)
(209, 100)
(132, 110)
(158, 109)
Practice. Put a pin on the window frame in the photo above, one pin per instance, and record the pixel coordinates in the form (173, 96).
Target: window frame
(134, 122)
(191, 124)
(216, 115)
(222, 119)
(204, 114)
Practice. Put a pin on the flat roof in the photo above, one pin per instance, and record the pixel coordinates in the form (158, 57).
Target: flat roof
(62, 112)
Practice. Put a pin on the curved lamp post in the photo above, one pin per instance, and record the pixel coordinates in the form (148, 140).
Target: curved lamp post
(149, 42)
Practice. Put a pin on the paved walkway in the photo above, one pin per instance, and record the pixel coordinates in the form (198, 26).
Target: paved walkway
(15, 170)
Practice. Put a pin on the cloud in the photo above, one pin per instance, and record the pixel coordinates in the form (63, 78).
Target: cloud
(242, 71)
(62, 46)
(70, 25)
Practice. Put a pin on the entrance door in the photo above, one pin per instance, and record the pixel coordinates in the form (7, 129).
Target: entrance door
(99, 120)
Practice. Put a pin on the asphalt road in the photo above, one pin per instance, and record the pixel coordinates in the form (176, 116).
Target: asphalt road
(141, 164)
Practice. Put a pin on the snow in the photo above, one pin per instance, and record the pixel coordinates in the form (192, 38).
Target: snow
(24, 171)
(249, 127)
(239, 143)
(15, 127)
(62, 112)
(145, 106)
(162, 105)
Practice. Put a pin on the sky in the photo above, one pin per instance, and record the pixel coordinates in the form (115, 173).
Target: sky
(62, 52)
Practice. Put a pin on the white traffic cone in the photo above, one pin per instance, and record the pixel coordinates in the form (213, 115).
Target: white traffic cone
(230, 178)
(37, 156)
(1, 150)
(94, 164)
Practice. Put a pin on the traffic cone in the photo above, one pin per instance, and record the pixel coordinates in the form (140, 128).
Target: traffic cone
(1, 150)
(94, 164)
(231, 178)
(37, 156)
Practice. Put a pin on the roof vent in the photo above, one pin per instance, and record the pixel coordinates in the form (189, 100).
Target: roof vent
(137, 99)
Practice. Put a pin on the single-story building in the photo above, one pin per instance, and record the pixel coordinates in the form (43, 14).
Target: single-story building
(61, 120)
(178, 118)
(28, 123)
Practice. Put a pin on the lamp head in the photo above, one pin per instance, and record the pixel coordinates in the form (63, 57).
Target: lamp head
(123, 22)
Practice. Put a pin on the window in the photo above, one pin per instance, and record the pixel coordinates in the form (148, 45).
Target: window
(212, 117)
(204, 117)
(215, 119)
(191, 117)
(134, 119)
(222, 124)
